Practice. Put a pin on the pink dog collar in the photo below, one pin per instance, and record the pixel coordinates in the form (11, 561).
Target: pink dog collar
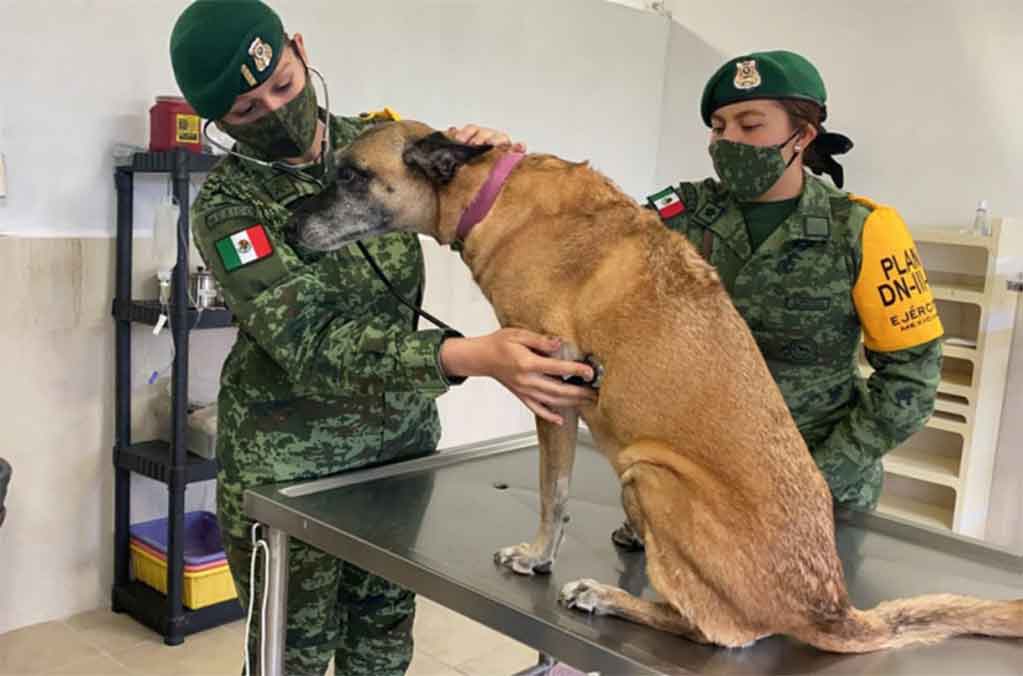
(485, 198)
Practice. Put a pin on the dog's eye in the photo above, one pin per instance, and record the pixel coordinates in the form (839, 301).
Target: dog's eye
(351, 174)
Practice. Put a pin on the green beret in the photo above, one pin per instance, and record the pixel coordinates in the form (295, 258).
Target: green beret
(762, 75)
(223, 48)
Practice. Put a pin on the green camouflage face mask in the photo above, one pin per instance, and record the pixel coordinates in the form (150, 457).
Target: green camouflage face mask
(749, 171)
(286, 132)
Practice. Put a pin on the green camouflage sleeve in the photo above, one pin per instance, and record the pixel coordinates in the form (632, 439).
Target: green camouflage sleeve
(311, 328)
(893, 404)
(332, 353)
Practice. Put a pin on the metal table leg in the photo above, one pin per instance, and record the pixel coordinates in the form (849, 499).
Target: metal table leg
(542, 668)
(272, 651)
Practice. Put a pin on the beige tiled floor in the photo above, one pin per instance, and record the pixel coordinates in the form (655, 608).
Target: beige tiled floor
(101, 643)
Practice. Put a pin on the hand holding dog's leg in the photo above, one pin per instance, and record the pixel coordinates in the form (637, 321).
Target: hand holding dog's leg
(518, 359)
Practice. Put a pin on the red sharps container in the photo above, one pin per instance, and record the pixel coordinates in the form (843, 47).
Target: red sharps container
(174, 124)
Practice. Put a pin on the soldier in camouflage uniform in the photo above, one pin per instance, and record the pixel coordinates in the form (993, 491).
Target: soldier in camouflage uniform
(328, 372)
(811, 268)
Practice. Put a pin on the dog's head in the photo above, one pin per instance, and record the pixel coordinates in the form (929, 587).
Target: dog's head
(387, 180)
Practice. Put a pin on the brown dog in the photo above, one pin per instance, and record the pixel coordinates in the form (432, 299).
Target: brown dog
(716, 480)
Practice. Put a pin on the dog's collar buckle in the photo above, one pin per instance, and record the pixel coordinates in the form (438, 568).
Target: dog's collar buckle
(485, 198)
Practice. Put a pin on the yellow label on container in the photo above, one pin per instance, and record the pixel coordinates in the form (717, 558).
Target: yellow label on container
(892, 296)
(186, 128)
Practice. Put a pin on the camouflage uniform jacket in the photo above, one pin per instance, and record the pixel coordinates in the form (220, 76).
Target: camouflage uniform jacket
(328, 371)
(807, 294)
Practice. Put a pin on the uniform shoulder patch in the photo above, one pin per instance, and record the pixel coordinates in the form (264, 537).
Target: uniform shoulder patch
(892, 296)
(244, 247)
(668, 203)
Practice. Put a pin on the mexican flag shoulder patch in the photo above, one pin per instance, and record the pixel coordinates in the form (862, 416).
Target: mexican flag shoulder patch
(668, 203)
(244, 247)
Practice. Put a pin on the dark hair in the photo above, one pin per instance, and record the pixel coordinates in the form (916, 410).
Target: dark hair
(806, 114)
(817, 156)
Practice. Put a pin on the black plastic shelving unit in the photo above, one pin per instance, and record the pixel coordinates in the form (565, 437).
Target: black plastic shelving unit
(169, 463)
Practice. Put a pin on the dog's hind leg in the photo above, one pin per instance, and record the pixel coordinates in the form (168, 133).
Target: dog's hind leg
(626, 537)
(601, 599)
(659, 486)
(557, 455)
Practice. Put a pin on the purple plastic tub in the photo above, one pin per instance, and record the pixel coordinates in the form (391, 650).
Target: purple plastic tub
(202, 537)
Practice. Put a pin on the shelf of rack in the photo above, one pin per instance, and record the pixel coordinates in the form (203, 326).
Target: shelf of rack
(961, 290)
(952, 237)
(148, 312)
(922, 513)
(954, 404)
(960, 352)
(150, 607)
(918, 464)
(152, 459)
(167, 162)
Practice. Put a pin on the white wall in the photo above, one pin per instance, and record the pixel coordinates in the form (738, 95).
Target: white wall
(682, 150)
(926, 90)
(581, 78)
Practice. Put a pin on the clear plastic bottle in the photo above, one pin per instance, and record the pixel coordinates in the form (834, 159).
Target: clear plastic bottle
(982, 220)
(165, 244)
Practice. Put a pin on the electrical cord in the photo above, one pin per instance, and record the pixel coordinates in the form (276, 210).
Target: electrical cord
(256, 546)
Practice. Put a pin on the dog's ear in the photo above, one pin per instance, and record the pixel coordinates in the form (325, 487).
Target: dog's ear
(439, 158)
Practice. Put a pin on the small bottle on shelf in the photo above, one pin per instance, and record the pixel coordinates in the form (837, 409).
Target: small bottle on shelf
(982, 220)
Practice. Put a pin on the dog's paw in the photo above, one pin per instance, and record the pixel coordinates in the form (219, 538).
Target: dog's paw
(625, 537)
(523, 559)
(588, 596)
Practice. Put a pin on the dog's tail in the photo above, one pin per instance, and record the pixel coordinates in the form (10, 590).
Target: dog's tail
(919, 620)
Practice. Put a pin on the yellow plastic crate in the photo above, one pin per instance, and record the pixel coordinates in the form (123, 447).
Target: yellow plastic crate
(202, 588)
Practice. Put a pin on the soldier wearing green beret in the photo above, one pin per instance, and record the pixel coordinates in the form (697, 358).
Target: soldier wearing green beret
(811, 269)
(328, 372)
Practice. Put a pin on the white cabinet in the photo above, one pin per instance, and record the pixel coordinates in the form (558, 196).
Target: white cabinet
(941, 477)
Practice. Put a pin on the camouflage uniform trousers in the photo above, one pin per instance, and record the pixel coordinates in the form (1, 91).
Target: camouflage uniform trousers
(335, 609)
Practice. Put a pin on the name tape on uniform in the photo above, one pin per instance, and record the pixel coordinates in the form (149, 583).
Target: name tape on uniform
(892, 296)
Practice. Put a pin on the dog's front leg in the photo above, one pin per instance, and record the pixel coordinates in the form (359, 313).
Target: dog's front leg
(557, 455)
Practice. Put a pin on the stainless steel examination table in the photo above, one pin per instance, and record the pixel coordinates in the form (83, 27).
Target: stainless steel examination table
(433, 524)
